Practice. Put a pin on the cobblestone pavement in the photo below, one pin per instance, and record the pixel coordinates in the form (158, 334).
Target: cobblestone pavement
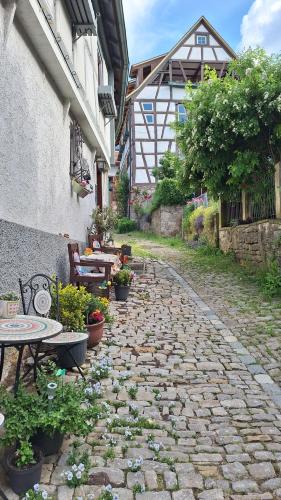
(241, 306)
(207, 418)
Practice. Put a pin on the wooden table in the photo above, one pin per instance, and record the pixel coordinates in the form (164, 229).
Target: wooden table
(24, 331)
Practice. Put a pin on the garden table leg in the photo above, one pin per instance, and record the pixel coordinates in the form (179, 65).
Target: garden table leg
(21, 349)
(2, 360)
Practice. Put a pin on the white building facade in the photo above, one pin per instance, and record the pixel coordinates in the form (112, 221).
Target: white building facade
(62, 81)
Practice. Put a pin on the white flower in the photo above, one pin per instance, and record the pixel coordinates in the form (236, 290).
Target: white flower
(36, 488)
(69, 475)
(130, 463)
(44, 495)
(79, 474)
(81, 467)
(74, 467)
(248, 71)
(108, 488)
(115, 497)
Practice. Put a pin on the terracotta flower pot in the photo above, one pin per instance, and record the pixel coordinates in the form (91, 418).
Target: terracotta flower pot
(95, 333)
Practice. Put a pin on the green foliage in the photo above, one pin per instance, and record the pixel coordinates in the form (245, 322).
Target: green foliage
(132, 391)
(122, 194)
(73, 303)
(123, 277)
(21, 415)
(170, 165)
(24, 455)
(270, 280)
(100, 303)
(167, 193)
(200, 222)
(104, 221)
(126, 225)
(186, 217)
(232, 135)
(10, 296)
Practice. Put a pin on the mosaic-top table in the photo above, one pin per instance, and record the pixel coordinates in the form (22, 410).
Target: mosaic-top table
(24, 331)
(27, 329)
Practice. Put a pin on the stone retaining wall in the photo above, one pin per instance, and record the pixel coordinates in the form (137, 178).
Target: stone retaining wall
(167, 221)
(257, 242)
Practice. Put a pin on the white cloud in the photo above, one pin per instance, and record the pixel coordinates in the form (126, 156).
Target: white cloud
(261, 26)
(138, 15)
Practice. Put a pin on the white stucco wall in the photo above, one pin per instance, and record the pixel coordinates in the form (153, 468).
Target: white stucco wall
(35, 188)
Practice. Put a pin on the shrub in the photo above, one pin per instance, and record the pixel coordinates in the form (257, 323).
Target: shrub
(167, 192)
(200, 222)
(73, 303)
(122, 194)
(186, 218)
(271, 280)
(126, 225)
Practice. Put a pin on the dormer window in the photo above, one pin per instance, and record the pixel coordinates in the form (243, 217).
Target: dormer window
(201, 39)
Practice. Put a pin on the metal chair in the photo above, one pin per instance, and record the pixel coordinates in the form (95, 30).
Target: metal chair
(39, 295)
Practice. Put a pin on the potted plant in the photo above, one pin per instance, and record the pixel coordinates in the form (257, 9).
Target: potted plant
(73, 302)
(104, 221)
(23, 462)
(59, 401)
(97, 314)
(122, 282)
(9, 305)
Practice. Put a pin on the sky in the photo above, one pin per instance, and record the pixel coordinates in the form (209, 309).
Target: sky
(154, 26)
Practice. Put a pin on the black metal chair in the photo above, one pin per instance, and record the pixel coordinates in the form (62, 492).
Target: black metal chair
(38, 295)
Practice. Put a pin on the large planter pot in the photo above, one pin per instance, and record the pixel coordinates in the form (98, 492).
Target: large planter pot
(48, 444)
(121, 292)
(9, 308)
(78, 353)
(22, 480)
(126, 250)
(95, 333)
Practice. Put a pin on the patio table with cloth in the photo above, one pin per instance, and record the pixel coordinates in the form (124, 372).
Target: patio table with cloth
(24, 331)
(109, 257)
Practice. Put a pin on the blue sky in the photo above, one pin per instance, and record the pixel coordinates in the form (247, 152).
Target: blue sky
(154, 26)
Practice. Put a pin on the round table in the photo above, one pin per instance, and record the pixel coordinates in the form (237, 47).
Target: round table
(24, 331)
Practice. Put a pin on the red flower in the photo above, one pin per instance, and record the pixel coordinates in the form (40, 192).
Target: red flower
(96, 316)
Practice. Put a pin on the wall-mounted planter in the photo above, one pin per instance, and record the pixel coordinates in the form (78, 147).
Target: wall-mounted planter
(81, 191)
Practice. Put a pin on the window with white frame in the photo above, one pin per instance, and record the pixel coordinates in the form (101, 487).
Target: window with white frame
(149, 118)
(147, 106)
(201, 39)
(181, 113)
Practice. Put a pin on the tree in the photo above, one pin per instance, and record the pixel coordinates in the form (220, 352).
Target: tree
(232, 137)
(122, 194)
(169, 166)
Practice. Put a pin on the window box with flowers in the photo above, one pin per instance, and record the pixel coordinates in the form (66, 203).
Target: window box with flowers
(82, 188)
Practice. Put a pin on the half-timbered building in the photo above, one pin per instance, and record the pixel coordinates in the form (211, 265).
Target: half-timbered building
(155, 95)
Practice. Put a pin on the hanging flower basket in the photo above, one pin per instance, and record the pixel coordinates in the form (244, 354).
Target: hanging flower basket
(82, 188)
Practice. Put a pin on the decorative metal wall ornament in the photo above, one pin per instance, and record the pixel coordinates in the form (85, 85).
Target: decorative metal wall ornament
(79, 166)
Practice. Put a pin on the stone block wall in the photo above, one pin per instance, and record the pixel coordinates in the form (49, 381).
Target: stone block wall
(258, 242)
(167, 221)
(26, 251)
